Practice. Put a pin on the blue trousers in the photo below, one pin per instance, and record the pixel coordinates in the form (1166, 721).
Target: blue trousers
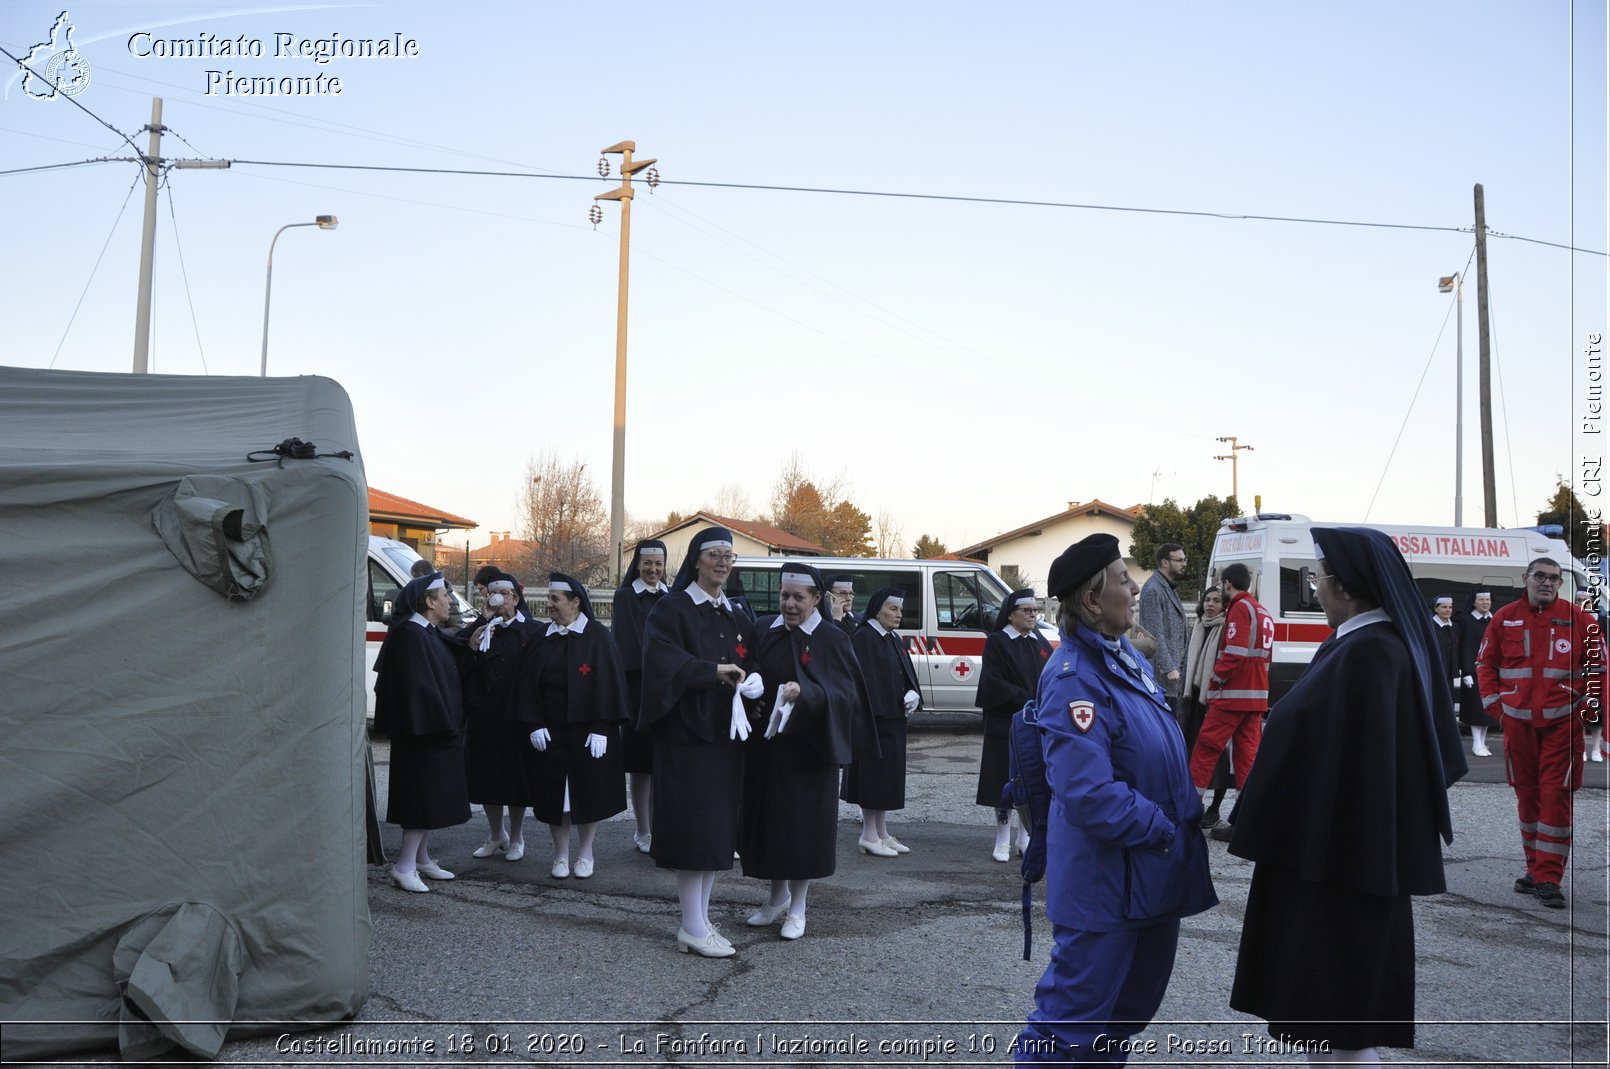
(1100, 989)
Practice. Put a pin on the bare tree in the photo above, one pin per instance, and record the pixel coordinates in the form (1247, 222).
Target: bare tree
(562, 512)
(732, 501)
(887, 536)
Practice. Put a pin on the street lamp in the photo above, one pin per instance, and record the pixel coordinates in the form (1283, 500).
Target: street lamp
(1455, 283)
(323, 222)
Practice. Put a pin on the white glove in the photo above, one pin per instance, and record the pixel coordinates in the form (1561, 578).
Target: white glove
(740, 719)
(598, 744)
(751, 686)
(912, 700)
(1469, 682)
(780, 712)
(540, 737)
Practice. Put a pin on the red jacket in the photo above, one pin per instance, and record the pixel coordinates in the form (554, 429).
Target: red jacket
(1540, 665)
(1240, 681)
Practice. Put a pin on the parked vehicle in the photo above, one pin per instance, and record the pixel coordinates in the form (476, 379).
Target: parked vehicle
(390, 565)
(950, 606)
(1278, 548)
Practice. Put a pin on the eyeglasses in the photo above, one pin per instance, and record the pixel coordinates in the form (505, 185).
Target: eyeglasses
(1550, 578)
(1320, 578)
(719, 555)
(1176, 560)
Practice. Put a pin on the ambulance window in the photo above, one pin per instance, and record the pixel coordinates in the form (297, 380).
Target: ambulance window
(1461, 581)
(1297, 593)
(967, 601)
(759, 586)
(382, 588)
(870, 582)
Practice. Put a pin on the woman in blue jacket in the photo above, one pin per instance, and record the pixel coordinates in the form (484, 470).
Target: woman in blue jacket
(1124, 859)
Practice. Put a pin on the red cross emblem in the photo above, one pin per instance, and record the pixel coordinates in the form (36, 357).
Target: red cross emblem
(805, 658)
(1044, 653)
(741, 650)
(961, 668)
(585, 669)
(1083, 714)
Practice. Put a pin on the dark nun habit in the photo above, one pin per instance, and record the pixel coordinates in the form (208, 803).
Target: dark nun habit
(791, 780)
(418, 705)
(633, 601)
(687, 709)
(878, 781)
(495, 743)
(571, 684)
(1007, 678)
(1341, 815)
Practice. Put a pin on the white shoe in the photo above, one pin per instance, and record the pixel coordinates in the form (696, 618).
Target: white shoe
(794, 927)
(490, 847)
(875, 848)
(896, 845)
(561, 868)
(711, 946)
(583, 867)
(768, 915)
(1003, 852)
(516, 851)
(1597, 756)
(1022, 845)
(434, 871)
(1483, 752)
(643, 841)
(409, 881)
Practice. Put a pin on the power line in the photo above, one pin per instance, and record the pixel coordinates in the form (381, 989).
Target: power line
(168, 188)
(75, 163)
(94, 269)
(74, 102)
(907, 195)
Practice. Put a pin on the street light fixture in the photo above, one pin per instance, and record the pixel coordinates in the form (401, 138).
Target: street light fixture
(323, 222)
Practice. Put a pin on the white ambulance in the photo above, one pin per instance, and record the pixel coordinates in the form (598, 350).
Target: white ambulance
(1454, 561)
(390, 565)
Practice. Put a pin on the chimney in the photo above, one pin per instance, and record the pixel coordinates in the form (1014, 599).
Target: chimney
(1073, 505)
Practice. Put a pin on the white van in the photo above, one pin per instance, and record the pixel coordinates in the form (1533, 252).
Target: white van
(390, 565)
(1454, 561)
(950, 608)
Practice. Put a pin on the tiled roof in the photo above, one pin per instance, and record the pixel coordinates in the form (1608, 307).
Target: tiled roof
(1088, 508)
(386, 506)
(775, 537)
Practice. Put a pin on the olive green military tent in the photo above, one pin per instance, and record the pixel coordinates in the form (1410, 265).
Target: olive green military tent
(182, 735)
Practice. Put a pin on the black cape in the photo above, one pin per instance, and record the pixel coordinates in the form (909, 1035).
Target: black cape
(629, 615)
(886, 668)
(1342, 792)
(1448, 650)
(595, 687)
(682, 644)
(1008, 677)
(831, 713)
(417, 684)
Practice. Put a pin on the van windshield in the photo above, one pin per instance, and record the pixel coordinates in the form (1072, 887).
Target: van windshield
(967, 600)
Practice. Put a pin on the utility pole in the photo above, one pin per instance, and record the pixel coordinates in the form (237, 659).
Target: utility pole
(142, 305)
(153, 172)
(1231, 456)
(1489, 486)
(1456, 282)
(617, 475)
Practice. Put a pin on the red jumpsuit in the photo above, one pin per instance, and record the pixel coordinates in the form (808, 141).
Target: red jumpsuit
(1543, 670)
(1238, 694)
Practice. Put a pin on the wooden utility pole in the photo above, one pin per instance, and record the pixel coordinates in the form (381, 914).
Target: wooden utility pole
(1489, 485)
(1233, 456)
(142, 302)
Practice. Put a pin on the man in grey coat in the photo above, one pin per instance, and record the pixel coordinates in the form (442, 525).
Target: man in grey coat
(1162, 614)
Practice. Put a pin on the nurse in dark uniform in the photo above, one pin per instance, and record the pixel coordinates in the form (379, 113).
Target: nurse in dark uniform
(816, 708)
(1014, 653)
(494, 743)
(877, 782)
(418, 705)
(641, 589)
(1327, 941)
(698, 656)
(572, 693)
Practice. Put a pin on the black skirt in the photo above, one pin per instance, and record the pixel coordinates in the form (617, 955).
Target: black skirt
(494, 751)
(880, 782)
(639, 744)
(1323, 962)
(993, 768)
(790, 811)
(427, 789)
(597, 784)
(697, 786)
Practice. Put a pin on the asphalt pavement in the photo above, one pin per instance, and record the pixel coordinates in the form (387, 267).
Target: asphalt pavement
(915, 960)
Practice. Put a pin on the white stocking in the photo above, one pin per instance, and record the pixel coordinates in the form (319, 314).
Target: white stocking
(797, 890)
(1478, 738)
(690, 896)
(643, 801)
(413, 845)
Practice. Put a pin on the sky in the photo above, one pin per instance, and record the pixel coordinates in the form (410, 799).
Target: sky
(964, 367)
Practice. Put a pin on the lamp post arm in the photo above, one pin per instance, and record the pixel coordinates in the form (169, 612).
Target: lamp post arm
(268, 288)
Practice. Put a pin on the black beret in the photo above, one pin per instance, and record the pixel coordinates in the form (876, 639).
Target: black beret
(1080, 561)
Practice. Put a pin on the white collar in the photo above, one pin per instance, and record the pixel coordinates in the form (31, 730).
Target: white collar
(696, 592)
(1481, 615)
(1363, 619)
(575, 627)
(879, 628)
(1012, 632)
(809, 626)
(1440, 622)
(420, 620)
(640, 587)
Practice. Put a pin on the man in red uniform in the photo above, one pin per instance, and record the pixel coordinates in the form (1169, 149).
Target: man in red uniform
(1239, 692)
(1542, 664)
